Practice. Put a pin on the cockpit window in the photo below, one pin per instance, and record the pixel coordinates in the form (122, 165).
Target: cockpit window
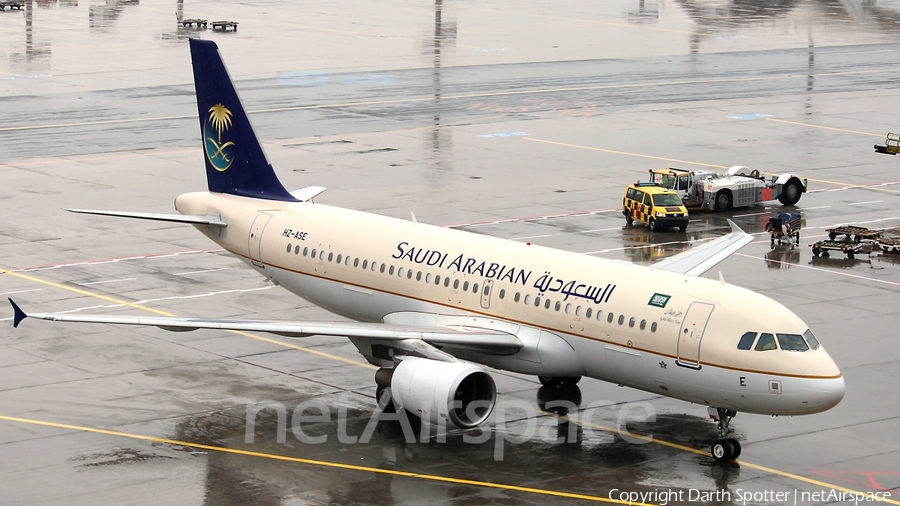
(792, 342)
(766, 342)
(746, 341)
(811, 339)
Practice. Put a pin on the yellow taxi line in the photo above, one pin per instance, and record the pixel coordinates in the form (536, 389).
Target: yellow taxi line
(164, 313)
(822, 127)
(342, 359)
(701, 164)
(625, 153)
(320, 463)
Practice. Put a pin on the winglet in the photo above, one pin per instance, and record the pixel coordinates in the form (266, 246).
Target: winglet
(19, 314)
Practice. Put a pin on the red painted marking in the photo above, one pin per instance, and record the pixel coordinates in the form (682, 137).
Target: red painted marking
(117, 259)
(531, 218)
(767, 194)
(867, 481)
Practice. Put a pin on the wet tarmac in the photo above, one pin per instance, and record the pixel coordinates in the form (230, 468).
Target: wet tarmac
(519, 121)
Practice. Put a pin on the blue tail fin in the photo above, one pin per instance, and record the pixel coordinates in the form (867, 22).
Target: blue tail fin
(235, 162)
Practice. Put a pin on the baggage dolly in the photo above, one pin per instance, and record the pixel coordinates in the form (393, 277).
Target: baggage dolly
(784, 225)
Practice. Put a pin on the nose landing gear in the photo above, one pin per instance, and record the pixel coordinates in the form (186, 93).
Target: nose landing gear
(724, 448)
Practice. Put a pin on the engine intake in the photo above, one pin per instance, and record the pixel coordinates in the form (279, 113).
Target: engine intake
(456, 391)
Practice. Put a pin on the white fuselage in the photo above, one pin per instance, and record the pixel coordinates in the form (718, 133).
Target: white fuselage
(658, 331)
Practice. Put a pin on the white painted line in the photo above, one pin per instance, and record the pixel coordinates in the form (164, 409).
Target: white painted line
(858, 222)
(839, 273)
(599, 230)
(198, 272)
(751, 214)
(811, 208)
(861, 203)
(647, 246)
(107, 281)
(174, 297)
(21, 291)
(530, 237)
(113, 260)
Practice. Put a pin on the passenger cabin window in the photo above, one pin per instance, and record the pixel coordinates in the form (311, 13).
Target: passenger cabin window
(330, 257)
(456, 286)
(437, 280)
(516, 297)
(746, 341)
(339, 258)
(792, 342)
(289, 248)
(587, 314)
(502, 293)
(322, 255)
(381, 270)
(558, 305)
(609, 317)
(643, 324)
(621, 319)
(811, 339)
(527, 299)
(631, 322)
(577, 310)
(446, 282)
(653, 327)
(546, 303)
(766, 342)
(537, 301)
(475, 288)
(305, 251)
(419, 276)
(466, 286)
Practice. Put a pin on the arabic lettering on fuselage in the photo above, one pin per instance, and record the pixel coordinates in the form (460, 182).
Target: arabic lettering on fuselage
(500, 272)
(597, 294)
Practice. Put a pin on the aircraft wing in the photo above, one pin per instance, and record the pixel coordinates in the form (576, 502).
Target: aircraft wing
(215, 221)
(457, 336)
(700, 259)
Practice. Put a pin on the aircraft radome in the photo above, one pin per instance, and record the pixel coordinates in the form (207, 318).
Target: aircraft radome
(429, 303)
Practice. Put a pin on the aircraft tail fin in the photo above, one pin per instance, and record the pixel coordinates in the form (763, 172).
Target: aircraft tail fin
(235, 161)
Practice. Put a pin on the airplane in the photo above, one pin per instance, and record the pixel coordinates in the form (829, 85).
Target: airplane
(430, 305)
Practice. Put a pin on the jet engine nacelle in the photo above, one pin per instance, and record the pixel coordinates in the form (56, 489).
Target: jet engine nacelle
(456, 391)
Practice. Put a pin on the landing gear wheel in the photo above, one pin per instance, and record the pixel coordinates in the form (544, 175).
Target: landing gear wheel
(385, 400)
(571, 380)
(790, 193)
(653, 226)
(550, 381)
(736, 448)
(722, 450)
(723, 200)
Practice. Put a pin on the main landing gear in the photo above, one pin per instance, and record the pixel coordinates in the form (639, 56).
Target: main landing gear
(724, 448)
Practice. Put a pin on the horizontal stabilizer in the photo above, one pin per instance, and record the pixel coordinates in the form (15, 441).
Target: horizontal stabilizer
(700, 259)
(307, 193)
(212, 220)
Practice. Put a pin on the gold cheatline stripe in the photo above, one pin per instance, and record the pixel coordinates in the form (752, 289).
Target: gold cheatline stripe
(164, 313)
(321, 463)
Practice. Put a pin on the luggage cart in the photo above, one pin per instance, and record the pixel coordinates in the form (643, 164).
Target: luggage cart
(785, 225)
(851, 249)
(853, 233)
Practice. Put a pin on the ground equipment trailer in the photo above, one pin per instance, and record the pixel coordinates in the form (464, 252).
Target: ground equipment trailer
(739, 187)
(891, 145)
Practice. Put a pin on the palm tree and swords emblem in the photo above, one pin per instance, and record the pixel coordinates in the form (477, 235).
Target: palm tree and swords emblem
(217, 152)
